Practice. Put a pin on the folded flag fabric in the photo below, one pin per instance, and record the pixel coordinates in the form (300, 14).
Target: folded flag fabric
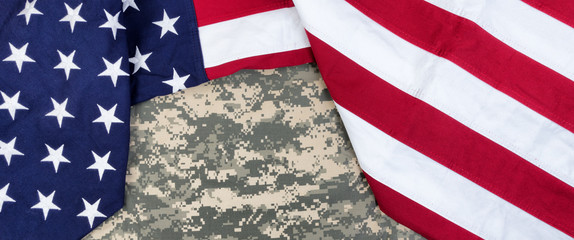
(254, 34)
(461, 112)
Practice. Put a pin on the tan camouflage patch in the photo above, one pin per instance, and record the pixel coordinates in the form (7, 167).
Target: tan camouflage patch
(256, 155)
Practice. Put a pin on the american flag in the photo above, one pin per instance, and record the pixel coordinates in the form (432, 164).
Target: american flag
(70, 71)
(461, 112)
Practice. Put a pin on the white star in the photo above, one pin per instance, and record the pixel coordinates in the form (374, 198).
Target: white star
(112, 23)
(4, 196)
(177, 83)
(46, 203)
(11, 104)
(73, 16)
(67, 63)
(55, 156)
(166, 24)
(8, 150)
(108, 117)
(18, 56)
(101, 164)
(91, 211)
(113, 70)
(130, 3)
(139, 60)
(60, 111)
(28, 10)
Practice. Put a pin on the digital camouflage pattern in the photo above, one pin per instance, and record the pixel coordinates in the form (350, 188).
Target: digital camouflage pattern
(257, 155)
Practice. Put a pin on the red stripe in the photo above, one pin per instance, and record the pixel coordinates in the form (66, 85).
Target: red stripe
(273, 60)
(469, 46)
(561, 10)
(415, 216)
(214, 11)
(446, 141)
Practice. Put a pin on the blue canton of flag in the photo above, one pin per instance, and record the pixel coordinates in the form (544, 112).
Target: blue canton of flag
(70, 71)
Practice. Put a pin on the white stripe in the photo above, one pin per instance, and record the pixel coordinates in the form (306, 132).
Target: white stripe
(522, 27)
(442, 84)
(254, 35)
(438, 188)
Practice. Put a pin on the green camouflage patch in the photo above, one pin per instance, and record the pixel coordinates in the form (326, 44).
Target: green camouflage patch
(257, 155)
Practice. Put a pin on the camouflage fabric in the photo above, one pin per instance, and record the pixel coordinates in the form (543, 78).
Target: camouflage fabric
(260, 154)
